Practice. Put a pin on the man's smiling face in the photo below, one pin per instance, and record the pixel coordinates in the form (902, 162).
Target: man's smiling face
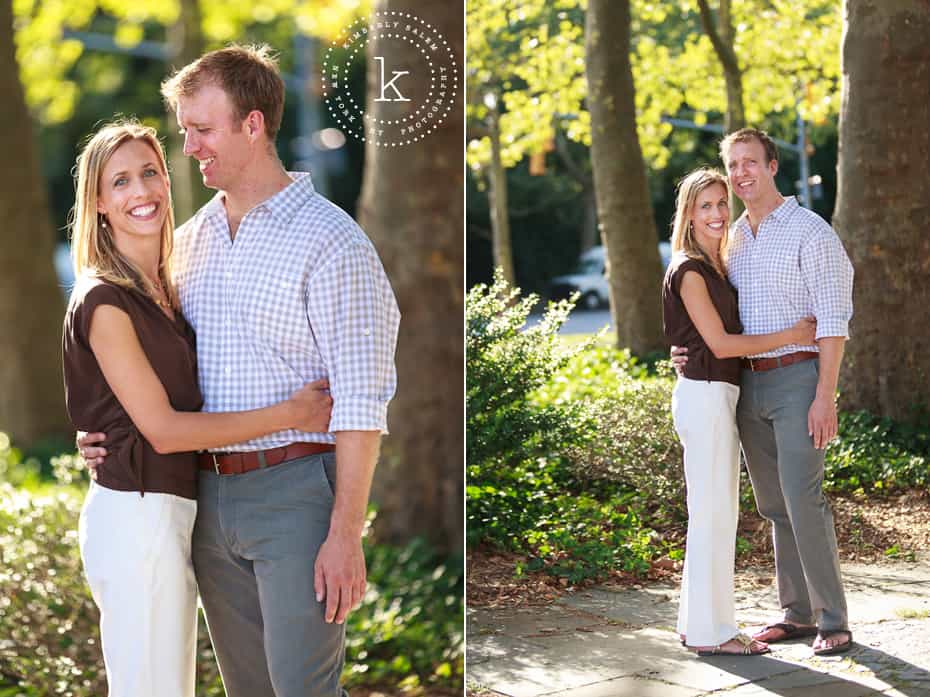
(214, 136)
(751, 177)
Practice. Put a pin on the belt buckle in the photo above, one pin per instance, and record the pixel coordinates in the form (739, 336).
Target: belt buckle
(216, 465)
(752, 364)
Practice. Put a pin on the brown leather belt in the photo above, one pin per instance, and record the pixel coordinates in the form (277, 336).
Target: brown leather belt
(758, 364)
(238, 463)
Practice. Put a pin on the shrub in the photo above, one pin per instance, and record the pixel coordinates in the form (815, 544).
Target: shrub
(522, 492)
(48, 620)
(504, 366)
(512, 444)
(875, 454)
(408, 631)
(633, 445)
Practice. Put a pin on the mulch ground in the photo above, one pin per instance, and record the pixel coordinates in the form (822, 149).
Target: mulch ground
(868, 530)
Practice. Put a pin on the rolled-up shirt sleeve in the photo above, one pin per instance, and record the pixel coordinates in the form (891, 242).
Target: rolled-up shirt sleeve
(354, 318)
(828, 274)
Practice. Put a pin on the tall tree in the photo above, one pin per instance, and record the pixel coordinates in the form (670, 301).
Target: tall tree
(720, 33)
(185, 42)
(412, 207)
(624, 209)
(497, 194)
(31, 304)
(883, 202)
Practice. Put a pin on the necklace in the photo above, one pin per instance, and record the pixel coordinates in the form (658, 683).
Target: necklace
(160, 299)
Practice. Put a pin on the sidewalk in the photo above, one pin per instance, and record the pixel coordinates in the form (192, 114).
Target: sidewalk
(613, 642)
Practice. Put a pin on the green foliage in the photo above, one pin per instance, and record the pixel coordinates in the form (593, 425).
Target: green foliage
(522, 491)
(877, 455)
(504, 366)
(407, 633)
(587, 502)
(532, 56)
(634, 444)
(48, 620)
(46, 59)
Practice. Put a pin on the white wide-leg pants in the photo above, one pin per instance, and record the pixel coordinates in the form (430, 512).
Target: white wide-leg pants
(705, 418)
(137, 558)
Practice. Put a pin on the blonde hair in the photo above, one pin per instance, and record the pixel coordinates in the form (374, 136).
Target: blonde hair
(683, 239)
(93, 249)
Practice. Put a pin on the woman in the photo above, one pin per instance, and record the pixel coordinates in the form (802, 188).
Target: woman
(701, 313)
(130, 367)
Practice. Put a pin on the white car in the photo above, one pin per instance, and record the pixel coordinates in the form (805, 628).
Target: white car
(589, 278)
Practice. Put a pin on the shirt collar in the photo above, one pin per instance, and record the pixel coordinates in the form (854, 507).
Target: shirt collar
(782, 212)
(282, 206)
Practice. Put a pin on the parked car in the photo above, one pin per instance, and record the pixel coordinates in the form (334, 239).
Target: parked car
(589, 278)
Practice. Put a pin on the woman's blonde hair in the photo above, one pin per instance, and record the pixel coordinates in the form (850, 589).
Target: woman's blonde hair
(683, 238)
(93, 249)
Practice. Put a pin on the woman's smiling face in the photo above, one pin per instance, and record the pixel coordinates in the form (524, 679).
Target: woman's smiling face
(133, 190)
(710, 216)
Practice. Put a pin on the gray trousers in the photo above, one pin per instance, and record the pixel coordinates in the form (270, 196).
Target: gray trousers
(787, 479)
(254, 545)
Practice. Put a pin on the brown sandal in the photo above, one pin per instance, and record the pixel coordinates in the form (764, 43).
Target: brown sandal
(789, 632)
(839, 648)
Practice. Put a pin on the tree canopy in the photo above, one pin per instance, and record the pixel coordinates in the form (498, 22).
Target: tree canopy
(532, 54)
(47, 56)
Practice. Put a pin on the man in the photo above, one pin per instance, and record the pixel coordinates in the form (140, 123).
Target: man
(786, 263)
(282, 287)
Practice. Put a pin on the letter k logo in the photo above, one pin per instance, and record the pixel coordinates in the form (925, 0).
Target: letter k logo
(384, 86)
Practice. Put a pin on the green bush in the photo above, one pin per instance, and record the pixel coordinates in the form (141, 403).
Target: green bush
(504, 366)
(523, 492)
(877, 455)
(408, 631)
(633, 444)
(581, 498)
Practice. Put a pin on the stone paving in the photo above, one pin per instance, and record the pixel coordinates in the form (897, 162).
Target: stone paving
(617, 642)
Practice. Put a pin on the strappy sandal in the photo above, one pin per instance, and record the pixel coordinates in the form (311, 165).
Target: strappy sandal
(741, 639)
(839, 648)
(789, 631)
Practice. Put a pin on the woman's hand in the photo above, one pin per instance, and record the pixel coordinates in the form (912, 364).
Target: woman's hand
(804, 331)
(312, 407)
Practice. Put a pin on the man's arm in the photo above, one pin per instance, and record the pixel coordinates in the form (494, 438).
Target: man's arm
(339, 573)
(822, 422)
(828, 275)
(354, 316)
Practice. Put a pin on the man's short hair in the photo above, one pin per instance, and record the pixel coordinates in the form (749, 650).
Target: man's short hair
(247, 74)
(746, 135)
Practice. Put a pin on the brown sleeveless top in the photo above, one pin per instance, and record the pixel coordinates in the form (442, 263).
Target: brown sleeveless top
(680, 330)
(131, 463)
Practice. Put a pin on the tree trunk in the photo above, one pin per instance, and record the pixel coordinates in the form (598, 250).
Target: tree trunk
(185, 40)
(31, 303)
(589, 234)
(412, 207)
(497, 195)
(883, 203)
(722, 40)
(624, 209)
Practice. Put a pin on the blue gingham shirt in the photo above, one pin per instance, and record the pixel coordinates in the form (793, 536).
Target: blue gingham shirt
(794, 267)
(300, 294)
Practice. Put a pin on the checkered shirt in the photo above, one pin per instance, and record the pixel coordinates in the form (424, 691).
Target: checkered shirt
(299, 295)
(795, 267)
